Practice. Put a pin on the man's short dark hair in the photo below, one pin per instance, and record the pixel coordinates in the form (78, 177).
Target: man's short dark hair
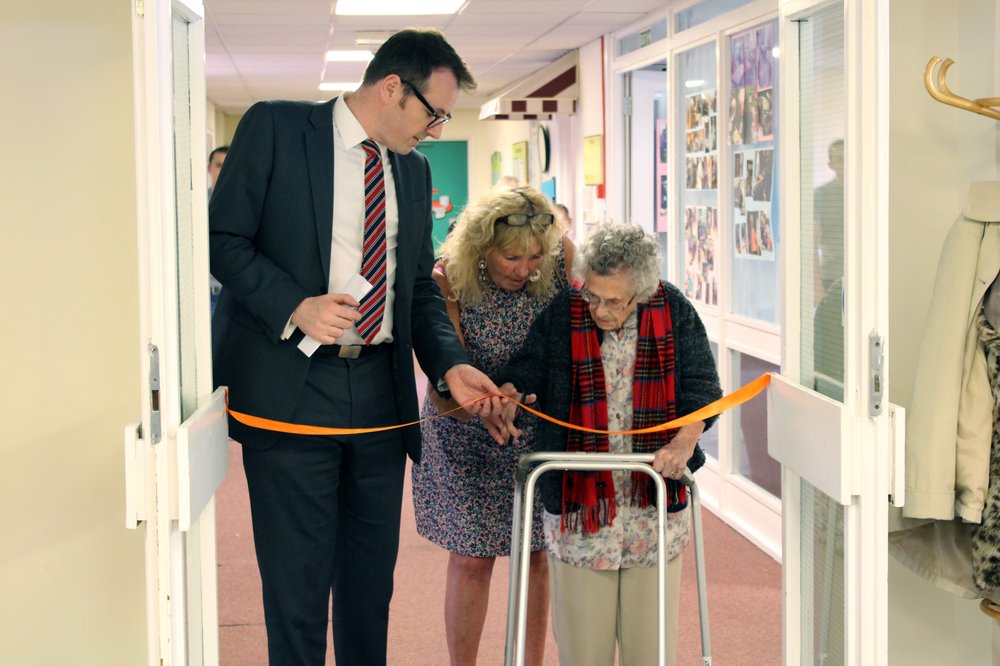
(413, 54)
(838, 144)
(221, 149)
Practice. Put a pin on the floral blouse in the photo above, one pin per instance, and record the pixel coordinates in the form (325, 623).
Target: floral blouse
(631, 540)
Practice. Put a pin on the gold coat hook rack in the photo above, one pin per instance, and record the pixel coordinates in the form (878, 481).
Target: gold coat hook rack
(938, 89)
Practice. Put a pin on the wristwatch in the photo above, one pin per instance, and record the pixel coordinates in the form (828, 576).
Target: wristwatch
(442, 389)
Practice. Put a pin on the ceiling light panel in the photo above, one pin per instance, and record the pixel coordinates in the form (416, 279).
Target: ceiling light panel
(397, 7)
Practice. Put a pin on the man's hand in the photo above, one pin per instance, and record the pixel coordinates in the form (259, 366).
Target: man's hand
(467, 385)
(325, 318)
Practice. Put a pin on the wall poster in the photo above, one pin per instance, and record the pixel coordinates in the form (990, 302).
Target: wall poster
(701, 141)
(701, 233)
(449, 161)
(519, 162)
(496, 164)
(661, 191)
(593, 160)
(751, 123)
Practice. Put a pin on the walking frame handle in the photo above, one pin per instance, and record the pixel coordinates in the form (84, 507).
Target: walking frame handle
(529, 468)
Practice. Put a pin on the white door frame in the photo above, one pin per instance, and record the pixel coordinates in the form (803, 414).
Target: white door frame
(865, 437)
(181, 597)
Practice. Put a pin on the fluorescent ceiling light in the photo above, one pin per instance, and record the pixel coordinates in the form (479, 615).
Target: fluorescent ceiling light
(371, 37)
(338, 86)
(349, 56)
(694, 83)
(397, 7)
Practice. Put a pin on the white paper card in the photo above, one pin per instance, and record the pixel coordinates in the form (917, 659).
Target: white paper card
(356, 288)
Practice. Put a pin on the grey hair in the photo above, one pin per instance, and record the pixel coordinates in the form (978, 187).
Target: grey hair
(611, 248)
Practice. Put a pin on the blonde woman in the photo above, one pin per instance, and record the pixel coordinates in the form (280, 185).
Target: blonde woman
(502, 263)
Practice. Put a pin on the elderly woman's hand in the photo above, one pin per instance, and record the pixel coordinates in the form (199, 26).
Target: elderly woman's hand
(671, 460)
(501, 424)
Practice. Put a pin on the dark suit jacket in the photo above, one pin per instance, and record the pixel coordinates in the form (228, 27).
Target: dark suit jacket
(270, 221)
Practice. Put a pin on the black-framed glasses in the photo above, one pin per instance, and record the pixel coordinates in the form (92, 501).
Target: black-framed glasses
(614, 305)
(531, 217)
(436, 118)
(521, 219)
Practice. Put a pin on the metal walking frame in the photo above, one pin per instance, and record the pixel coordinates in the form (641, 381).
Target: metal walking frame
(530, 467)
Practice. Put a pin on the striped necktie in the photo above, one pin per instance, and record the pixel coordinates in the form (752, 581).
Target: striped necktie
(373, 254)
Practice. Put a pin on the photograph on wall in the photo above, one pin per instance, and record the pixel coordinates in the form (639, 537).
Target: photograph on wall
(701, 230)
(760, 240)
(751, 105)
(660, 173)
(753, 180)
(701, 141)
(763, 178)
(765, 56)
(736, 63)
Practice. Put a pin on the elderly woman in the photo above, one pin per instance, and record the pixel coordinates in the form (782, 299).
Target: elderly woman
(626, 351)
(502, 264)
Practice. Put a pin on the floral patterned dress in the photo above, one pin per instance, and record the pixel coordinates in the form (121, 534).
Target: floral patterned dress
(631, 540)
(463, 488)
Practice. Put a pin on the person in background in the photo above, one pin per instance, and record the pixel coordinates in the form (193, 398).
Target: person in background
(305, 187)
(504, 261)
(506, 182)
(828, 323)
(626, 351)
(215, 160)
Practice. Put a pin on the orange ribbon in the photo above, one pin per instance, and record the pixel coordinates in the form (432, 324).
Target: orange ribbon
(726, 402)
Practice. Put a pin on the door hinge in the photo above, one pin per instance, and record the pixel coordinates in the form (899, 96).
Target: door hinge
(628, 106)
(140, 7)
(154, 394)
(875, 373)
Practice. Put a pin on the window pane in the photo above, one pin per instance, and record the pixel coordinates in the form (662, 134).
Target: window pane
(821, 192)
(750, 457)
(709, 441)
(704, 11)
(644, 37)
(699, 205)
(752, 134)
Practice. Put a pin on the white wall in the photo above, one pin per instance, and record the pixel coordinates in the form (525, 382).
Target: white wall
(935, 151)
(71, 575)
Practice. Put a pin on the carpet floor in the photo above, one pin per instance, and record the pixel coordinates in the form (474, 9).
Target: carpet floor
(744, 595)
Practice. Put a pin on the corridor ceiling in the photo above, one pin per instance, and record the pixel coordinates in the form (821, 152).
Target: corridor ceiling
(275, 49)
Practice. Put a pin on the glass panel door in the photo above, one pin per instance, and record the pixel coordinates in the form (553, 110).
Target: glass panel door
(822, 119)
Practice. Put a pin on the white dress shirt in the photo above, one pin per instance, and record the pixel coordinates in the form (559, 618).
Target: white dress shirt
(349, 218)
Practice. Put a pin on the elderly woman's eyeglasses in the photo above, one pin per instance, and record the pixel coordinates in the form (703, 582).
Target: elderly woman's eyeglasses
(436, 118)
(610, 304)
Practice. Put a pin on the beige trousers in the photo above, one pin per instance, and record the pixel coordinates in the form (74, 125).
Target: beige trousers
(592, 609)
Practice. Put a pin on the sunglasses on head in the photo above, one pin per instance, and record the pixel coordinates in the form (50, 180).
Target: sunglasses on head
(531, 217)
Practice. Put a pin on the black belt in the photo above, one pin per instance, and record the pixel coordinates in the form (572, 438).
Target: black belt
(352, 351)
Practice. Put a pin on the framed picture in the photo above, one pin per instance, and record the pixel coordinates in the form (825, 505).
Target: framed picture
(593, 160)
(519, 160)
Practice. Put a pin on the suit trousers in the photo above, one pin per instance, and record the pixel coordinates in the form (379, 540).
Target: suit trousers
(325, 516)
(592, 608)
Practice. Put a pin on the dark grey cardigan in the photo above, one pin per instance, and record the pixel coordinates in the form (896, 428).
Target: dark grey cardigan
(543, 366)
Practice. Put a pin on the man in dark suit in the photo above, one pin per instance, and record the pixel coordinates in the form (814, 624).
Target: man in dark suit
(305, 187)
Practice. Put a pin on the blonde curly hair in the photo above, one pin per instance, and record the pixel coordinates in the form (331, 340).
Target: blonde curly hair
(477, 233)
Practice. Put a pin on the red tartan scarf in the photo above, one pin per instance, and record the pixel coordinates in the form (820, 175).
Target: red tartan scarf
(588, 498)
